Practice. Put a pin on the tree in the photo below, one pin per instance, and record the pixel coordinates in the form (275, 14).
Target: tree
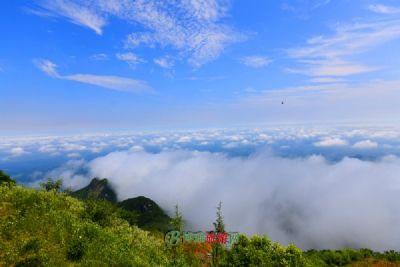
(5, 178)
(51, 185)
(219, 224)
(177, 220)
(219, 227)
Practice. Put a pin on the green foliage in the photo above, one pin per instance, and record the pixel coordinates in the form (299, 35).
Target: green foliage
(219, 224)
(260, 251)
(100, 211)
(6, 179)
(52, 185)
(104, 213)
(140, 211)
(177, 220)
(75, 250)
(32, 261)
(150, 215)
(347, 256)
(40, 228)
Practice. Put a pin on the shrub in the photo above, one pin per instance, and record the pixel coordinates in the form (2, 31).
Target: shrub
(260, 251)
(40, 228)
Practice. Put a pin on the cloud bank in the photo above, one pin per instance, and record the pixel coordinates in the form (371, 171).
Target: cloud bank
(309, 201)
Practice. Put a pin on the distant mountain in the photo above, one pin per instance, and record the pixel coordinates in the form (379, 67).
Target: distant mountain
(97, 189)
(5, 178)
(151, 216)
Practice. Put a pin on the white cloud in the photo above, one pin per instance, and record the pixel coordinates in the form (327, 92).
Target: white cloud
(256, 61)
(112, 82)
(68, 173)
(164, 62)
(136, 148)
(366, 144)
(383, 9)
(48, 149)
(333, 68)
(334, 55)
(193, 28)
(326, 102)
(106, 81)
(326, 80)
(330, 142)
(47, 67)
(303, 8)
(76, 12)
(291, 200)
(130, 58)
(134, 40)
(207, 10)
(73, 147)
(99, 57)
(18, 151)
(73, 155)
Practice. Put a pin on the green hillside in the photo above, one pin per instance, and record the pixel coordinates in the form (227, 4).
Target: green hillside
(51, 228)
(148, 214)
(151, 216)
(39, 228)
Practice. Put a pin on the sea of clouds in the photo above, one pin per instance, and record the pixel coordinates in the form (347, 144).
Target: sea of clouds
(317, 187)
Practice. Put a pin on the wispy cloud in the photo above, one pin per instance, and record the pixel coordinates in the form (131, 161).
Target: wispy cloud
(76, 12)
(340, 101)
(106, 81)
(47, 67)
(302, 8)
(191, 27)
(383, 9)
(164, 62)
(256, 61)
(326, 80)
(334, 55)
(111, 82)
(130, 58)
(99, 57)
(209, 10)
(332, 68)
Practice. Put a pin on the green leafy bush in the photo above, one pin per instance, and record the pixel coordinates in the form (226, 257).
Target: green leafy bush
(260, 251)
(40, 228)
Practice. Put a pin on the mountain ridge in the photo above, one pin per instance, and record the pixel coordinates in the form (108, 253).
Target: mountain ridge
(150, 215)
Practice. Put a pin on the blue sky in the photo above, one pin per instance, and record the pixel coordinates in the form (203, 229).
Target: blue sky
(181, 101)
(69, 64)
